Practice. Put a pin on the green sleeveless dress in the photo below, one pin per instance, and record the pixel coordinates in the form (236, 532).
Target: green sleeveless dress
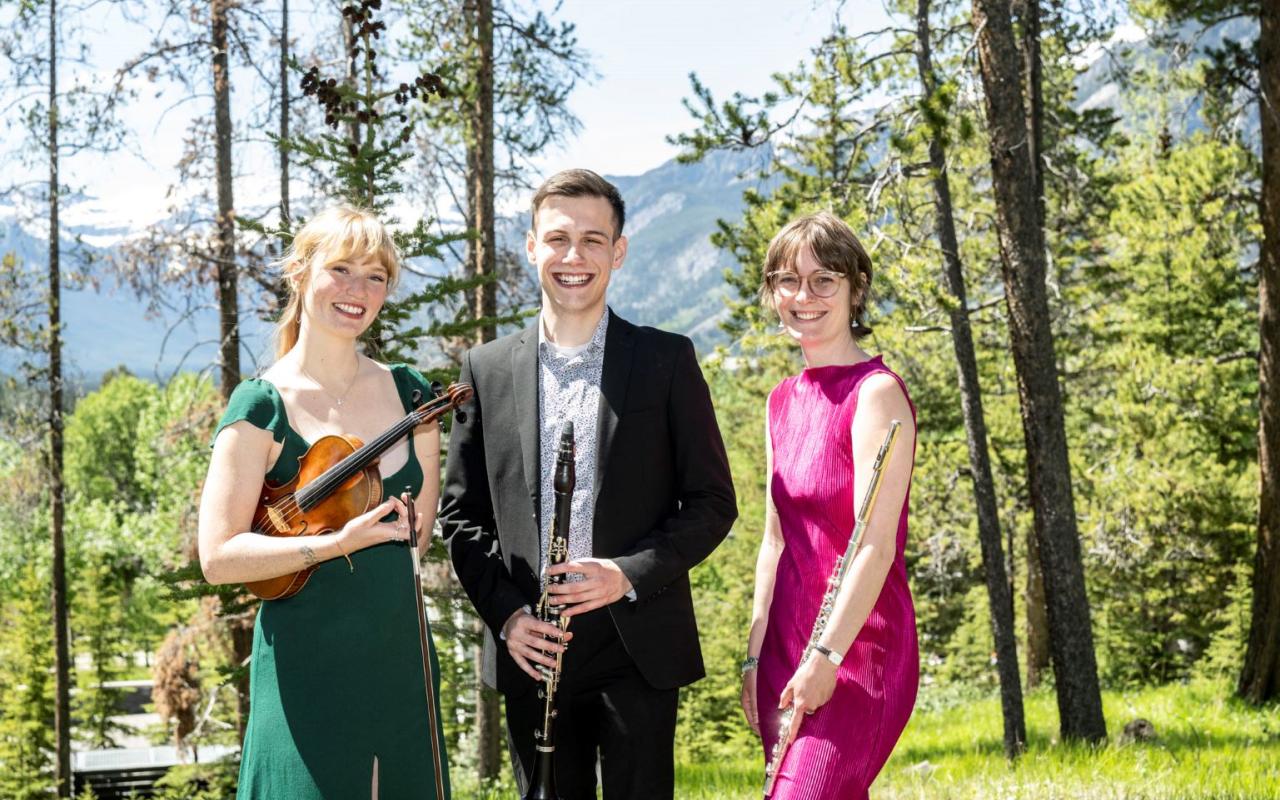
(335, 680)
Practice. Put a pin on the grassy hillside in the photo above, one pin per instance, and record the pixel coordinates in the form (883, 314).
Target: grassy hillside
(1206, 748)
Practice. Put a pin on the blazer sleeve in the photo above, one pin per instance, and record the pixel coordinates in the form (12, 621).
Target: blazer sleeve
(467, 519)
(704, 487)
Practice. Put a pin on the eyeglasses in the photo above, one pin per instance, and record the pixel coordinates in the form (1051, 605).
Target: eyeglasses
(822, 283)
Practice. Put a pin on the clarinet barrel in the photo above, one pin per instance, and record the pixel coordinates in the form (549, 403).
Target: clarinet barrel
(542, 785)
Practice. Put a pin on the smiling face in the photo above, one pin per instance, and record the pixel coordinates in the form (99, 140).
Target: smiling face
(807, 318)
(574, 247)
(343, 297)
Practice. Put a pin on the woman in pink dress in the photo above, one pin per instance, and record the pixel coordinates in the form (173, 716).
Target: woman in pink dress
(853, 696)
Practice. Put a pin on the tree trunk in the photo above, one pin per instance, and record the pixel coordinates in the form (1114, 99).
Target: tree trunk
(240, 629)
(488, 719)
(284, 114)
(349, 49)
(482, 263)
(1033, 97)
(1260, 677)
(1048, 466)
(57, 510)
(228, 308)
(482, 252)
(1033, 105)
(998, 592)
(1037, 617)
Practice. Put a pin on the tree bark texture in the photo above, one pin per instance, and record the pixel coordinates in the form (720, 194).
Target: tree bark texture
(1048, 466)
(1033, 93)
(488, 719)
(1037, 618)
(998, 589)
(481, 261)
(228, 306)
(482, 252)
(1260, 677)
(284, 113)
(349, 53)
(57, 489)
(240, 631)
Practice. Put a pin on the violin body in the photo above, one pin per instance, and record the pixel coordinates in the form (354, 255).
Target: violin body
(277, 515)
(337, 480)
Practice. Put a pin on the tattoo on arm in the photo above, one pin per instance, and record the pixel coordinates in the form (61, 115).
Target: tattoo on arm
(308, 555)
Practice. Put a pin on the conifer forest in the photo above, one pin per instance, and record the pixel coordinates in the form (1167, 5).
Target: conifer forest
(1073, 212)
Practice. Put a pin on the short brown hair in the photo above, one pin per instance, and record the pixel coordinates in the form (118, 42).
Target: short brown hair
(581, 183)
(835, 247)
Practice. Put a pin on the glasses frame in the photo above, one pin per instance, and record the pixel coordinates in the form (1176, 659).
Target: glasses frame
(771, 280)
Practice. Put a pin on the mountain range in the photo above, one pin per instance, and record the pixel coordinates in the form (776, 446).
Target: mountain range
(673, 276)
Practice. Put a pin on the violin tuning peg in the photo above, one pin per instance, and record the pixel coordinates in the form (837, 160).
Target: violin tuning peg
(437, 388)
(460, 416)
(416, 396)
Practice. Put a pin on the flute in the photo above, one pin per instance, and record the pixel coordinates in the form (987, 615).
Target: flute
(827, 608)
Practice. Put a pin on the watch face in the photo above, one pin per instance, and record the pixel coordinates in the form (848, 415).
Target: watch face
(829, 654)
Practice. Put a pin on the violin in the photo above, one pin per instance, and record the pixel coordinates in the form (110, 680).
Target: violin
(337, 480)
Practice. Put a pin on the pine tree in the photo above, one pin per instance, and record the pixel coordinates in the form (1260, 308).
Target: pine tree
(27, 746)
(365, 150)
(1256, 66)
(999, 596)
(1019, 209)
(101, 611)
(509, 77)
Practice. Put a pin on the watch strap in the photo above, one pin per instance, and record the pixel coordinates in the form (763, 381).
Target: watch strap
(829, 654)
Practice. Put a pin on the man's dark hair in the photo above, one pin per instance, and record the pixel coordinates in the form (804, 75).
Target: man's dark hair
(581, 183)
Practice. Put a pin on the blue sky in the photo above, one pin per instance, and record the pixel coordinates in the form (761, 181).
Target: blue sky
(642, 50)
(645, 50)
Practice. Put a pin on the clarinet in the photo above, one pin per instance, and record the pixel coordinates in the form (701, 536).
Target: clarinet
(542, 786)
(828, 606)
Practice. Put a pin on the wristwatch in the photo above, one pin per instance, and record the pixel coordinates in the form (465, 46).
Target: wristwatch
(829, 654)
(749, 663)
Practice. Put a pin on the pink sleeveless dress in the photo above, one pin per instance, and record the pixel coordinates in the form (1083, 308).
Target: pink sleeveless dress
(841, 747)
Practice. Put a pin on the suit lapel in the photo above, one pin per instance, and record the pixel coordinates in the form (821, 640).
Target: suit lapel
(524, 379)
(619, 349)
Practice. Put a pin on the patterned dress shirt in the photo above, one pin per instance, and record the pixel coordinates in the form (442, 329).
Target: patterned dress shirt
(569, 391)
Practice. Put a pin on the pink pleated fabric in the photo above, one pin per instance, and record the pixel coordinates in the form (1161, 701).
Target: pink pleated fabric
(843, 745)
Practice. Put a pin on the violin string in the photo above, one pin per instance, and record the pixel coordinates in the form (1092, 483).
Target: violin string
(288, 517)
(442, 403)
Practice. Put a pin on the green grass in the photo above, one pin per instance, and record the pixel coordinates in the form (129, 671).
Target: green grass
(1207, 748)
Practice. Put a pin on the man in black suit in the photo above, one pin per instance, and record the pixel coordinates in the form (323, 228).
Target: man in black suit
(653, 498)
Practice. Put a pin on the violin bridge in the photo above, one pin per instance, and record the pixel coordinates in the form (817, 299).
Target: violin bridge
(277, 520)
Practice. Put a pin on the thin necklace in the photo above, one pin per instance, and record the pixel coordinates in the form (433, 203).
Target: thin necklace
(337, 400)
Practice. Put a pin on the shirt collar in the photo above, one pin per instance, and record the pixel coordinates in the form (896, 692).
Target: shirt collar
(595, 344)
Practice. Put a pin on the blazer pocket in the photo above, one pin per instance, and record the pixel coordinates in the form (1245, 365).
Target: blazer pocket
(640, 413)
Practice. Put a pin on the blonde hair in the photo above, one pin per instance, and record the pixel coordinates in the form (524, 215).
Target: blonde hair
(835, 246)
(338, 233)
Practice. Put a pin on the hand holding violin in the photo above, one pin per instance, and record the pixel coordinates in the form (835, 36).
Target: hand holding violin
(367, 529)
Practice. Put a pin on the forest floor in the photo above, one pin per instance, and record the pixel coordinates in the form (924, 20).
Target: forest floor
(1206, 747)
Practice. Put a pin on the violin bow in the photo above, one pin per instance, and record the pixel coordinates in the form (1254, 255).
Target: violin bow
(412, 519)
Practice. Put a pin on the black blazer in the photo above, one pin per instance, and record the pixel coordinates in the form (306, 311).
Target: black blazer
(663, 495)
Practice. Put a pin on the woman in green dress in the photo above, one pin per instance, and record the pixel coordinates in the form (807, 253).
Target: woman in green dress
(337, 699)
